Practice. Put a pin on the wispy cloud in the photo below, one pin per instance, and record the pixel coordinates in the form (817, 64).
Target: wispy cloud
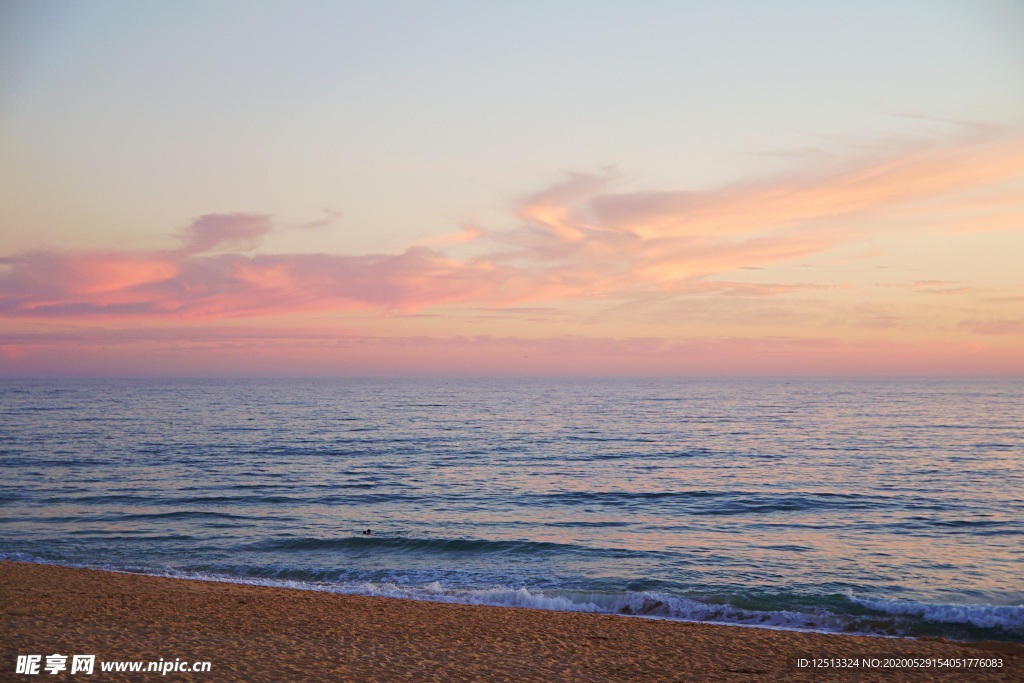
(670, 238)
(228, 232)
(994, 327)
(311, 352)
(577, 239)
(183, 284)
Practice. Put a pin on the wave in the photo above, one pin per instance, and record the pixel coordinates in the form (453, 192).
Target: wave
(443, 546)
(891, 618)
(80, 519)
(722, 503)
(1005, 617)
(842, 613)
(696, 503)
(251, 499)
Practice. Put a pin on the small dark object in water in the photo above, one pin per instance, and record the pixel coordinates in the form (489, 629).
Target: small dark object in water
(367, 533)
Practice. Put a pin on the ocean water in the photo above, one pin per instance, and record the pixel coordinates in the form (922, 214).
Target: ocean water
(888, 508)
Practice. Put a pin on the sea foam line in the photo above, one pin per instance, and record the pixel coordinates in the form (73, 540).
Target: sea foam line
(646, 604)
(1008, 617)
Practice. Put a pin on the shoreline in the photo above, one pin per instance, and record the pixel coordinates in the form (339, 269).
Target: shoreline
(533, 601)
(262, 633)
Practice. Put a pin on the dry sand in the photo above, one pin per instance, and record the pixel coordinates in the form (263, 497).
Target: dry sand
(251, 633)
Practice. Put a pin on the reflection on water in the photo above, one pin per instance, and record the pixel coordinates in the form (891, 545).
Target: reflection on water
(896, 491)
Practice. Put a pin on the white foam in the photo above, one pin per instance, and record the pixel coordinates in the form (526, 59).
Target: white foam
(981, 615)
(640, 604)
(643, 604)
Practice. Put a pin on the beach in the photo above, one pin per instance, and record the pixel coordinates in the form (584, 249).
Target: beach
(257, 633)
(512, 341)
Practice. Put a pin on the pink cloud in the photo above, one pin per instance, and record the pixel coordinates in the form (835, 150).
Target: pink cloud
(224, 285)
(310, 352)
(575, 240)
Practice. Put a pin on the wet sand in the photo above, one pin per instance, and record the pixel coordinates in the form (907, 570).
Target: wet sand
(251, 633)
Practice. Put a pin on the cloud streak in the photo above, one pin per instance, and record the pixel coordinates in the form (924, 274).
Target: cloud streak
(668, 239)
(574, 240)
(317, 353)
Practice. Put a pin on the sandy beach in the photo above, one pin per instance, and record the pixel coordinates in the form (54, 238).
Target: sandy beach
(252, 633)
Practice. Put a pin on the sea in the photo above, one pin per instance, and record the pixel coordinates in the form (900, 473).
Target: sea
(889, 508)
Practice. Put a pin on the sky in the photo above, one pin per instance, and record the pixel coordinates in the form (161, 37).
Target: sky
(646, 189)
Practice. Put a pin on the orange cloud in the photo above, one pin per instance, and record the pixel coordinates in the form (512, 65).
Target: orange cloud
(575, 240)
(864, 187)
(468, 233)
(997, 327)
(668, 238)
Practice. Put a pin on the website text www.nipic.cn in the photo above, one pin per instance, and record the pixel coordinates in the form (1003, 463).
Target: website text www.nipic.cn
(86, 664)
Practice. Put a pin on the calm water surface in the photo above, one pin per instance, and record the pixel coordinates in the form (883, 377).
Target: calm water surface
(875, 507)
